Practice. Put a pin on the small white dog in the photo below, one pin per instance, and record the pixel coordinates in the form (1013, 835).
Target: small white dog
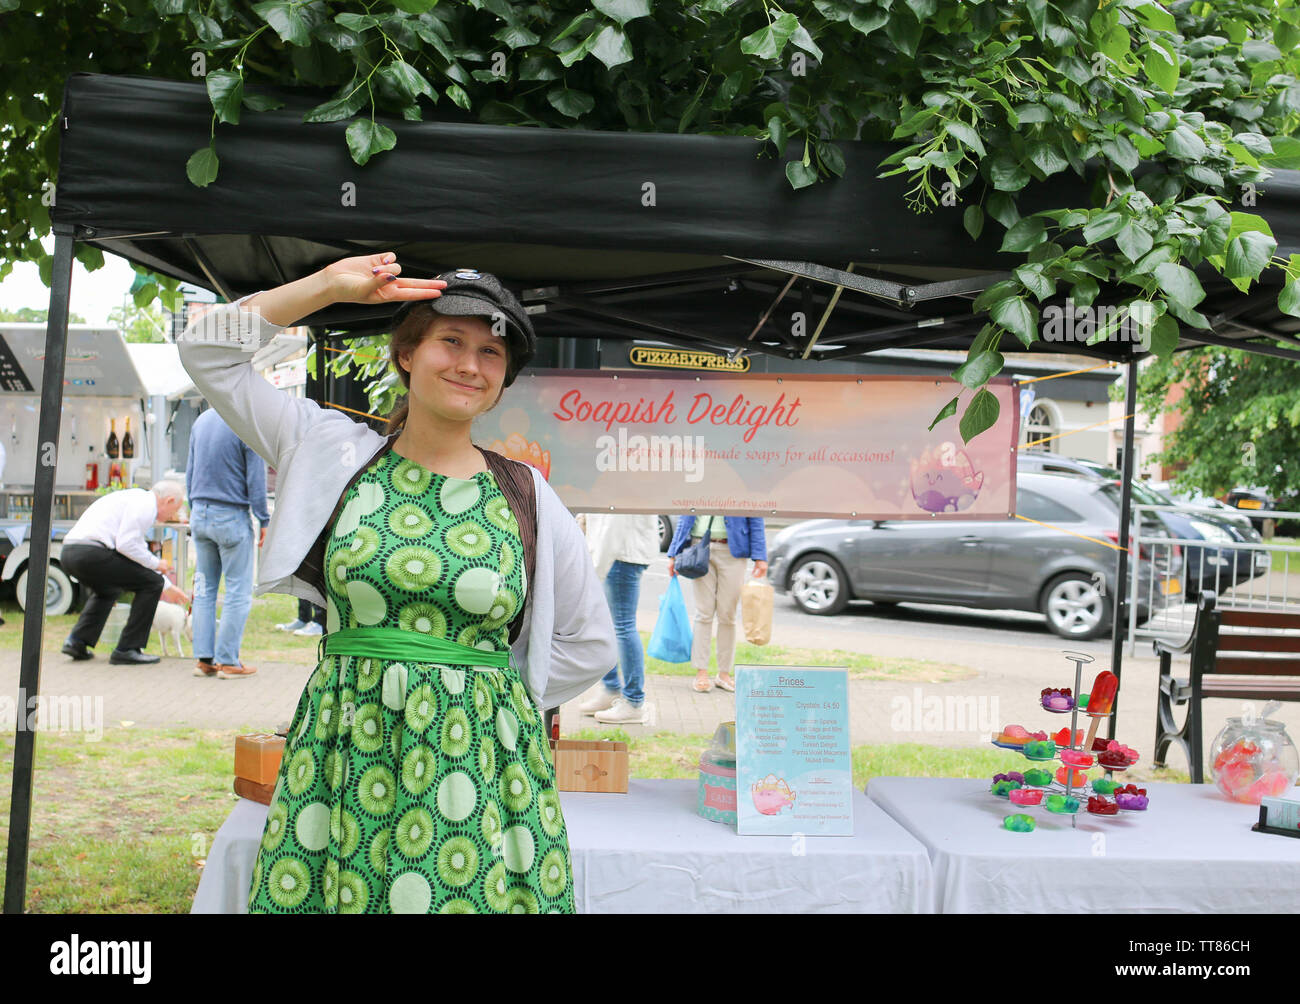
(171, 619)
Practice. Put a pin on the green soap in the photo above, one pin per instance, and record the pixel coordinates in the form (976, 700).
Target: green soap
(1003, 788)
(1037, 778)
(1019, 823)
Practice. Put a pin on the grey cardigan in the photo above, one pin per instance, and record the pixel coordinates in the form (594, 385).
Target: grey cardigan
(566, 642)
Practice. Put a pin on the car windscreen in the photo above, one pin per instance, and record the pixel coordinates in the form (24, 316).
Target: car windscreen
(1038, 507)
(1150, 526)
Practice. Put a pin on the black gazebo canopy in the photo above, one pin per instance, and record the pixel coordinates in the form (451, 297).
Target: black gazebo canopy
(681, 238)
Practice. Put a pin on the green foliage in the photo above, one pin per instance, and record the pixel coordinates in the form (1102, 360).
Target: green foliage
(31, 315)
(1240, 418)
(141, 324)
(984, 96)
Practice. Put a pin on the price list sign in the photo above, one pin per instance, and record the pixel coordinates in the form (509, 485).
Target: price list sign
(793, 769)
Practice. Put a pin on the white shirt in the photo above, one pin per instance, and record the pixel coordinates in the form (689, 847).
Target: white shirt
(567, 642)
(615, 537)
(119, 521)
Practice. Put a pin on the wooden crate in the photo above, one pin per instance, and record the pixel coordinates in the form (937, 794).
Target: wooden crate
(590, 765)
(257, 757)
(253, 791)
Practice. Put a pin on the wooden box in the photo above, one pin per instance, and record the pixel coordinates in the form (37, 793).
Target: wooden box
(257, 757)
(253, 791)
(590, 765)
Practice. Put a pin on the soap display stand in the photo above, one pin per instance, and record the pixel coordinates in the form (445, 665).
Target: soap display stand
(1054, 787)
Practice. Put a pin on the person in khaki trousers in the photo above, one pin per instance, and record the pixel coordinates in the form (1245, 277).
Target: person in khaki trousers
(733, 541)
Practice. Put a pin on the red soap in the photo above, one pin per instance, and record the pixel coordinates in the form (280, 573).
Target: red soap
(1102, 807)
(1102, 696)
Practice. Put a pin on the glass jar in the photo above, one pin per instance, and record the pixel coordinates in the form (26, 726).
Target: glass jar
(1253, 758)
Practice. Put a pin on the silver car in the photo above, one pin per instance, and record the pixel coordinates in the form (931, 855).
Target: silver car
(993, 564)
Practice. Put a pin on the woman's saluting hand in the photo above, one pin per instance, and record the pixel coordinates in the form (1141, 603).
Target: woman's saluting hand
(371, 278)
(377, 278)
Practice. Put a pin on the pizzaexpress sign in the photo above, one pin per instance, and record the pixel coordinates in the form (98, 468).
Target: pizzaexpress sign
(686, 359)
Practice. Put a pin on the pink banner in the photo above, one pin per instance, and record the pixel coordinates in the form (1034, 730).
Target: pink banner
(761, 445)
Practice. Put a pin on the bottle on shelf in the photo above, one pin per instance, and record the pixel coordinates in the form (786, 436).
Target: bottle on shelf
(128, 444)
(92, 472)
(111, 447)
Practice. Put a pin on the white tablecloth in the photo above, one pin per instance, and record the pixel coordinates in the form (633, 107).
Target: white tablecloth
(1191, 851)
(648, 852)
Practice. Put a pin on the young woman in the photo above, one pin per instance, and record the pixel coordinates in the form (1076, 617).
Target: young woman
(459, 602)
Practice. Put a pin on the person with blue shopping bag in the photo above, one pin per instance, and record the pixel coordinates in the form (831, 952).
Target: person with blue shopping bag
(622, 546)
(733, 541)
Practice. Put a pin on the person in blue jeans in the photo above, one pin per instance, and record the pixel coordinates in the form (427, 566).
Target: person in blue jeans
(733, 541)
(622, 547)
(225, 479)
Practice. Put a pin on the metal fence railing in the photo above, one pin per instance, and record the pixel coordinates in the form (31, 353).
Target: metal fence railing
(1245, 573)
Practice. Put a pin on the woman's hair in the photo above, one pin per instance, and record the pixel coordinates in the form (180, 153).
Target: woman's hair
(407, 336)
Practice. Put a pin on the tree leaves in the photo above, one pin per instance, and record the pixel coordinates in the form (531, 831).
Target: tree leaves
(226, 91)
(611, 47)
(570, 102)
(981, 414)
(1179, 284)
(1185, 144)
(623, 11)
(366, 138)
(947, 411)
(978, 369)
(1018, 317)
(1161, 64)
(291, 21)
(1248, 253)
(202, 166)
(770, 41)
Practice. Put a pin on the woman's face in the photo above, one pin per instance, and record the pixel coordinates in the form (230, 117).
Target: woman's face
(458, 369)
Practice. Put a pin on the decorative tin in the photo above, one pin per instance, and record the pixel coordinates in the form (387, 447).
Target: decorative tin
(716, 795)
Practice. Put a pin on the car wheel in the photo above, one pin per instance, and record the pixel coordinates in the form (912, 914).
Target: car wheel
(60, 593)
(818, 585)
(1075, 608)
(665, 532)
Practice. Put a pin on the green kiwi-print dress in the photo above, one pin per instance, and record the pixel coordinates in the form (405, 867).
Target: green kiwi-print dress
(409, 787)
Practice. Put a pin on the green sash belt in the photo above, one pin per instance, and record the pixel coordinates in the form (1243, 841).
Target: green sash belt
(408, 646)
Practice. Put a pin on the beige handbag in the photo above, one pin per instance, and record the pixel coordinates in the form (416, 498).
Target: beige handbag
(756, 611)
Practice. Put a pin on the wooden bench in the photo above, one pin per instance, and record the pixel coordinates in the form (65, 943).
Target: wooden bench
(1248, 663)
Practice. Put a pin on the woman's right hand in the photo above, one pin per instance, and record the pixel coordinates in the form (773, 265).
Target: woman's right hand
(672, 567)
(376, 278)
(373, 278)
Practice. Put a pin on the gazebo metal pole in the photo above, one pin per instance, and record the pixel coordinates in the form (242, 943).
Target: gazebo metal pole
(1118, 619)
(29, 677)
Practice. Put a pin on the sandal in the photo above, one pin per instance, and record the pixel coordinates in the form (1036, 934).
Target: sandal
(702, 686)
(729, 686)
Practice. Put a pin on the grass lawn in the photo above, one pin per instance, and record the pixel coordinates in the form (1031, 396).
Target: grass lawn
(1277, 544)
(860, 665)
(123, 825)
